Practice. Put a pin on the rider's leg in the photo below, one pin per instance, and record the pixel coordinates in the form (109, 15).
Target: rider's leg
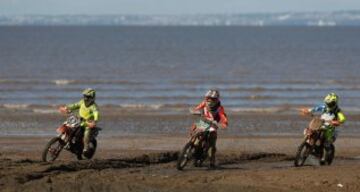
(87, 132)
(336, 133)
(197, 145)
(329, 135)
(212, 147)
(198, 150)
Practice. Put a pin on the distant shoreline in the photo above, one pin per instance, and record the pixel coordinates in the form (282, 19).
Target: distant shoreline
(334, 18)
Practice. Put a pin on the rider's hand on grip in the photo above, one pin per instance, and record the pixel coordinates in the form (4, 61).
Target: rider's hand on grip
(305, 111)
(194, 112)
(223, 126)
(335, 123)
(63, 110)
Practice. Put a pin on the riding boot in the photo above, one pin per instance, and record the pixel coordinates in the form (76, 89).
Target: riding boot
(327, 149)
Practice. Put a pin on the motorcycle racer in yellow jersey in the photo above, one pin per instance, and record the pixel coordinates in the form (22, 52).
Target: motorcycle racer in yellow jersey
(88, 111)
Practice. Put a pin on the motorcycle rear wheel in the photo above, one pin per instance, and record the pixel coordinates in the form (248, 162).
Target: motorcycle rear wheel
(330, 154)
(92, 149)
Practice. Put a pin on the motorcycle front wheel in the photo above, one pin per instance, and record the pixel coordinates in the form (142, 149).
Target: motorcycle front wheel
(52, 149)
(185, 156)
(302, 154)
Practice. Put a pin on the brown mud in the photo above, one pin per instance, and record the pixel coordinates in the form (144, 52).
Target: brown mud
(138, 169)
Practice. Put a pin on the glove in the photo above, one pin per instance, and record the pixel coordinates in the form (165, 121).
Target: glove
(305, 111)
(335, 123)
(194, 112)
(64, 110)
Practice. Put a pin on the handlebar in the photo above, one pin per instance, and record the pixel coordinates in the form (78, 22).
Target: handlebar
(64, 110)
(305, 112)
(194, 112)
(198, 113)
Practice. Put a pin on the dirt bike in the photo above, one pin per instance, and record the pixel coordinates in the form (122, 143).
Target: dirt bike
(196, 148)
(70, 138)
(314, 142)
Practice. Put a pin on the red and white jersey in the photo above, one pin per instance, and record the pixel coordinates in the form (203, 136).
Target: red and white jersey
(220, 115)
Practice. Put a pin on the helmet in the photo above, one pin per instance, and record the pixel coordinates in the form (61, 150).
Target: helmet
(331, 100)
(213, 94)
(89, 93)
(89, 96)
(212, 99)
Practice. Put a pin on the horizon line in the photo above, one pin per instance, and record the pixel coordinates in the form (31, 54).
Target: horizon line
(190, 14)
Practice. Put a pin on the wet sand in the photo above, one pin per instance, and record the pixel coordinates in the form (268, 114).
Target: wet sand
(138, 152)
(119, 121)
(147, 163)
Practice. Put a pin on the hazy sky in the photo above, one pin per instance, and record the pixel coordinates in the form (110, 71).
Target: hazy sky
(170, 6)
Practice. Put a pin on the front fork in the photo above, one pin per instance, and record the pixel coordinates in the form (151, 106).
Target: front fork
(315, 142)
(201, 146)
(309, 137)
(322, 148)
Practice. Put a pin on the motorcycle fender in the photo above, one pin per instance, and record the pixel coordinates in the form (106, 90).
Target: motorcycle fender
(63, 129)
(307, 132)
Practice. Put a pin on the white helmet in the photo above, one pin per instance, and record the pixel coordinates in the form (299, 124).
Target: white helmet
(213, 94)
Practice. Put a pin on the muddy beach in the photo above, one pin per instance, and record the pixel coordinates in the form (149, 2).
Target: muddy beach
(139, 164)
(249, 159)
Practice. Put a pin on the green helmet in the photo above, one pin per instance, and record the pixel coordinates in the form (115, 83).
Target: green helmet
(89, 93)
(331, 100)
(89, 96)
